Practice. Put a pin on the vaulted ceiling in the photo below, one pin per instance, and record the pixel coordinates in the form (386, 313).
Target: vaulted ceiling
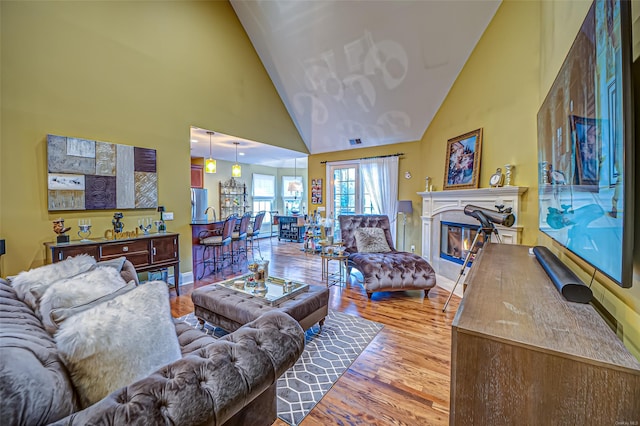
(371, 70)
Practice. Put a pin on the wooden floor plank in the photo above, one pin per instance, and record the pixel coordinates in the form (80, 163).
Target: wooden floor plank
(402, 377)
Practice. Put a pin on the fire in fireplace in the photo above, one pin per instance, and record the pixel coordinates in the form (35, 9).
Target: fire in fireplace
(456, 240)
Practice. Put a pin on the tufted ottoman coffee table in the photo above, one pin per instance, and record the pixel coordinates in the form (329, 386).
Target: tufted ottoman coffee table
(230, 308)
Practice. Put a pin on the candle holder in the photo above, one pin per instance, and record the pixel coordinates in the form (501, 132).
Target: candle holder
(84, 229)
(508, 178)
(145, 228)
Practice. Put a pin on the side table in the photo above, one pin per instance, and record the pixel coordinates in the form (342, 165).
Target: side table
(338, 277)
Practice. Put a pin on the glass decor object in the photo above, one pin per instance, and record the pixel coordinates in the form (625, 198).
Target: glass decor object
(84, 232)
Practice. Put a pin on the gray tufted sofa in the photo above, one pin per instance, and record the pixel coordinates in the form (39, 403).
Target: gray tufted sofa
(392, 271)
(227, 381)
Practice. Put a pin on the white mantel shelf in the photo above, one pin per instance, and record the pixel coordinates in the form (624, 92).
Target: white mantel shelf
(507, 190)
(449, 206)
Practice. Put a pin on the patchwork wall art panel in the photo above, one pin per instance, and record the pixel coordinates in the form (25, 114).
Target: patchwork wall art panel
(93, 175)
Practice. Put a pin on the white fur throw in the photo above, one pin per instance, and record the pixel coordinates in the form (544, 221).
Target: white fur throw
(30, 285)
(78, 290)
(119, 342)
(371, 240)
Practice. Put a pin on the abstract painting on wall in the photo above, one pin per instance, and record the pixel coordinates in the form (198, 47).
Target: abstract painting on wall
(93, 175)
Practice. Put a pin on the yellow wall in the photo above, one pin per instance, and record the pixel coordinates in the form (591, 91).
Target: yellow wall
(498, 91)
(133, 73)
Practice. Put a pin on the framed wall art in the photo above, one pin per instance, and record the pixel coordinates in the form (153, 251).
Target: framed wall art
(92, 175)
(316, 191)
(587, 147)
(462, 167)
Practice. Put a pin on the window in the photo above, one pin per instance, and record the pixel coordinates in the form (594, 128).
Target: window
(367, 186)
(264, 193)
(264, 186)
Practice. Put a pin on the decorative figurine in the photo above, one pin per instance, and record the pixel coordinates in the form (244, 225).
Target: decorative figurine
(58, 228)
(508, 174)
(117, 225)
(427, 184)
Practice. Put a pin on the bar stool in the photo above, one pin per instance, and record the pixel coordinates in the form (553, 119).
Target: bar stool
(255, 231)
(239, 237)
(274, 222)
(215, 241)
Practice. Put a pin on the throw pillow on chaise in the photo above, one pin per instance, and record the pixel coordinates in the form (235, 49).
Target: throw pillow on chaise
(371, 240)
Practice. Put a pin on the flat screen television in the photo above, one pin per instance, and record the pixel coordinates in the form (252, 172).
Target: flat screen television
(586, 145)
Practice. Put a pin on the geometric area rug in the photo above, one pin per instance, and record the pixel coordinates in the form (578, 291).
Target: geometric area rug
(326, 356)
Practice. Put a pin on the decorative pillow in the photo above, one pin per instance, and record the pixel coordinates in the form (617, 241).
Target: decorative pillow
(31, 285)
(56, 316)
(119, 342)
(78, 290)
(371, 240)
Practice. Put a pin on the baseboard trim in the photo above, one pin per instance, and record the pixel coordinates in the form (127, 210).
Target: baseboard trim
(186, 278)
(447, 284)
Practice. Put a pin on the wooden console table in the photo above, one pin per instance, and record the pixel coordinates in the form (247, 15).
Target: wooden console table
(147, 252)
(522, 354)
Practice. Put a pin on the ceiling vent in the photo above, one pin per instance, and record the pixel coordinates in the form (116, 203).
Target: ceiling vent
(355, 141)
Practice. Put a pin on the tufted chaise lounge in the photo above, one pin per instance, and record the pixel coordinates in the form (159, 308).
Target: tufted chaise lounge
(390, 271)
(226, 381)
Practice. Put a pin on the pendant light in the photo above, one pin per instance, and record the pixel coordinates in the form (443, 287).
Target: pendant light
(210, 163)
(236, 170)
(294, 186)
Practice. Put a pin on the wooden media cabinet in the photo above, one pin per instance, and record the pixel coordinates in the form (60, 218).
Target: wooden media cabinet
(521, 354)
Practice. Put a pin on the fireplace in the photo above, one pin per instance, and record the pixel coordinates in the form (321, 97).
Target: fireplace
(447, 207)
(456, 240)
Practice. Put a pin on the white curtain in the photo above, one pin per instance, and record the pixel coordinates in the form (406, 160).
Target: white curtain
(380, 178)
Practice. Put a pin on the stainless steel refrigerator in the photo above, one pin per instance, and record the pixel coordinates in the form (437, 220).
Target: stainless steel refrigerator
(198, 205)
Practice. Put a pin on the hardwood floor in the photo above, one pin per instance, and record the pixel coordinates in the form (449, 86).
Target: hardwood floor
(402, 377)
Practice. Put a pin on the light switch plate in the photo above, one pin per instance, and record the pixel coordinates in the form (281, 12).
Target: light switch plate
(167, 216)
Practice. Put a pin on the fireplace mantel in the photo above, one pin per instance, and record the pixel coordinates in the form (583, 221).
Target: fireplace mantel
(449, 205)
